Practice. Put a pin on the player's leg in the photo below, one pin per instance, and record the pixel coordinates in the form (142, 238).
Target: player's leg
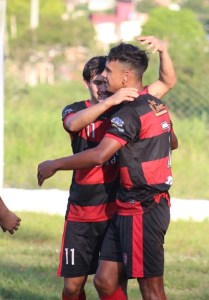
(74, 288)
(79, 255)
(154, 226)
(152, 288)
(110, 280)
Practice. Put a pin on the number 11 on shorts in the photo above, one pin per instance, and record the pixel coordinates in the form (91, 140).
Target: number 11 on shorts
(72, 256)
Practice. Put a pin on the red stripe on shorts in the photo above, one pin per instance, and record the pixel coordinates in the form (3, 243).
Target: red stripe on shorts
(137, 247)
(61, 251)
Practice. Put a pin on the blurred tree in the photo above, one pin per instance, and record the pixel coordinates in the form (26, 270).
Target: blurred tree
(71, 32)
(56, 27)
(189, 49)
(185, 35)
(195, 5)
(145, 6)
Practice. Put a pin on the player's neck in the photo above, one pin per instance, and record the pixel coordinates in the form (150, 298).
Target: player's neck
(93, 101)
(135, 84)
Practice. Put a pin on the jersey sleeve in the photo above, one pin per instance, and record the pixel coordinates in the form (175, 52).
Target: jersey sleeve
(68, 111)
(125, 125)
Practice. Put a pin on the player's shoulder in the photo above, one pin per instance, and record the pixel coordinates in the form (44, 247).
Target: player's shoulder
(146, 99)
(73, 107)
(148, 96)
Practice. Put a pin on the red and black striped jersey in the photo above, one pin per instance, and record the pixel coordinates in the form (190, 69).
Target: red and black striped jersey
(143, 128)
(93, 190)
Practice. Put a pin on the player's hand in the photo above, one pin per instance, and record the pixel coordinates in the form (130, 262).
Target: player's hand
(45, 170)
(123, 94)
(153, 43)
(3, 229)
(10, 222)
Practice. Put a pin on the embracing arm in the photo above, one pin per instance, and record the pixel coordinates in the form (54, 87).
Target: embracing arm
(167, 75)
(86, 116)
(83, 160)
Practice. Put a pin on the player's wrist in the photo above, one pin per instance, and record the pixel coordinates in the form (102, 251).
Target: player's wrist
(3, 213)
(57, 165)
(109, 102)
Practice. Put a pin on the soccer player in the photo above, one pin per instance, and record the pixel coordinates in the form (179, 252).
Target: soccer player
(88, 184)
(9, 221)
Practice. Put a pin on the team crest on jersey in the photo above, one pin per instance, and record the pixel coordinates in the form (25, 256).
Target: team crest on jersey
(118, 123)
(66, 112)
(158, 109)
(165, 125)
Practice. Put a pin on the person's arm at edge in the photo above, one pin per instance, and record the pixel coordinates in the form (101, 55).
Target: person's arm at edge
(86, 116)
(167, 74)
(174, 139)
(83, 160)
(9, 221)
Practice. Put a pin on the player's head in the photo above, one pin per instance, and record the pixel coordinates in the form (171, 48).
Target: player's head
(125, 64)
(96, 83)
(94, 67)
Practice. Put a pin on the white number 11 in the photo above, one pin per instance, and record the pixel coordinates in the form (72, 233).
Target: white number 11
(72, 256)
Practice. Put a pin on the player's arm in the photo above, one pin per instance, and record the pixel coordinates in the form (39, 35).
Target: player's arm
(167, 75)
(81, 119)
(174, 139)
(9, 221)
(86, 159)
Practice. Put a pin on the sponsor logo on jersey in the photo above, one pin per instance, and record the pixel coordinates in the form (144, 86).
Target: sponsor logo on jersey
(165, 125)
(118, 123)
(158, 109)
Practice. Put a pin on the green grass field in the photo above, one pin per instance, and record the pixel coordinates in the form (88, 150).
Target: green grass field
(28, 261)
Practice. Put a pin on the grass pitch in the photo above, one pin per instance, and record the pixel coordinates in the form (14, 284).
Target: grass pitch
(29, 259)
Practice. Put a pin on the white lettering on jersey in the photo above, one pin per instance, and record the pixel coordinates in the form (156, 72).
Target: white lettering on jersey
(91, 130)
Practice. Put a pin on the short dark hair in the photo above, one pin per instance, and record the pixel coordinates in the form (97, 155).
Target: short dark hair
(94, 67)
(131, 55)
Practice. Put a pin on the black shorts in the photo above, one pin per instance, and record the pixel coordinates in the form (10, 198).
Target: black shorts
(138, 240)
(81, 244)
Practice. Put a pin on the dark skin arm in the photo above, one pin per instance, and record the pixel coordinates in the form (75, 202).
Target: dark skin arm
(9, 221)
(174, 141)
(83, 160)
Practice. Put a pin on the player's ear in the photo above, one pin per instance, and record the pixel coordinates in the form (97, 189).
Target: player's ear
(126, 76)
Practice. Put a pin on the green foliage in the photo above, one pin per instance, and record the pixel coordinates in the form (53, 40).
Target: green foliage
(52, 29)
(73, 32)
(183, 32)
(196, 5)
(189, 51)
(18, 9)
(35, 132)
(145, 6)
(30, 259)
(53, 8)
